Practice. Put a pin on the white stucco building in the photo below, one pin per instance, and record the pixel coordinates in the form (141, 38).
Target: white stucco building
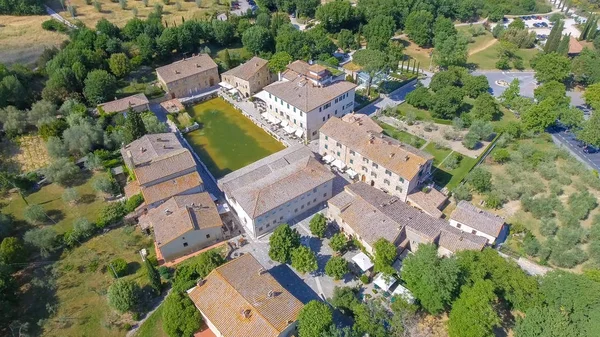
(471, 219)
(277, 188)
(306, 97)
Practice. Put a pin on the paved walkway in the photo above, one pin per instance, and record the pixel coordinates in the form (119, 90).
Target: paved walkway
(389, 101)
(59, 18)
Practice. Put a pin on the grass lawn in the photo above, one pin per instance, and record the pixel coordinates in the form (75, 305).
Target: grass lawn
(403, 136)
(414, 52)
(112, 11)
(444, 176)
(152, 327)
(49, 197)
(480, 41)
(22, 39)
(421, 115)
(486, 59)
(226, 140)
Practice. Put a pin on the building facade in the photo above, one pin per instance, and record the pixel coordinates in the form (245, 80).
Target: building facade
(277, 189)
(471, 219)
(306, 100)
(184, 224)
(380, 161)
(189, 76)
(250, 77)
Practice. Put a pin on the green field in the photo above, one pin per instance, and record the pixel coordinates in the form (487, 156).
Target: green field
(420, 114)
(152, 327)
(442, 175)
(226, 140)
(487, 58)
(49, 197)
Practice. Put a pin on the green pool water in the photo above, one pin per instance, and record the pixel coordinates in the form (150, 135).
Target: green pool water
(227, 140)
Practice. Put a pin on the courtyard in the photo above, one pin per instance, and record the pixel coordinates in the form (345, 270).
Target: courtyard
(227, 140)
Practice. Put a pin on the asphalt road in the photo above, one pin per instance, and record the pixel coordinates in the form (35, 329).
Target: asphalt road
(569, 140)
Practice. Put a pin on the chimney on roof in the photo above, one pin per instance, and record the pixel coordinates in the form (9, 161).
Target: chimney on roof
(406, 158)
(270, 294)
(371, 140)
(168, 212)
(245, 313)
(199, 282)
(198, 65)
(392, 155)
(142, 149)
(176, 71)
(261, 271)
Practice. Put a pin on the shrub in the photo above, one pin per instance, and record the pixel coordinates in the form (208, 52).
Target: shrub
(119, 267)
(104, 184)
(98, 6)
(110, 214)
(178, 6)
(453, 161)
(132, 203)
(501, 156)
(531, 245)
(364, 279)
(54, 26)
(480, 179)
(582, 203)
(462, 192)
(548, 227)
(568, 258)
(493, 200)
(165, 273)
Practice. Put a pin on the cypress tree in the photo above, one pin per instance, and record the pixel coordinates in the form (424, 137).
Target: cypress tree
(134, 125)
(153, 276)
(563, 47)
(585, 29)
(591, 34)
(554, 38)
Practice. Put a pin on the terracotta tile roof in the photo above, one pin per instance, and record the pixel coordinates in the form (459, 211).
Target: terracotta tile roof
(400, 158)
(301, 68)
(574, 46)
(306, 96)
(275, 180)
(374, 214)
(186, 67)
(124, 103)
(241, 299)
(248, 69)
(456, 240)
(362, 121)
(165, 166)
(172, 105)
(171, 187)
(181, 214)
(474, 217)
(151, 146)
(429, 202)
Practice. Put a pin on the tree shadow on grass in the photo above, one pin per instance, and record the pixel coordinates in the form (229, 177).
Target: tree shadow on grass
(81, 178)
(87, 198)
(441, 177)
(133, 267)
(56, 215)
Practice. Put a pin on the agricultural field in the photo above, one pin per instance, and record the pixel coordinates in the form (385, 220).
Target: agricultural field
(25, 154)
(173, 12)
(548, 197)
(22, 39)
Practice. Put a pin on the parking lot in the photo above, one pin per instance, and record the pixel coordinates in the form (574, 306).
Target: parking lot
(240, 7)
(542, 26)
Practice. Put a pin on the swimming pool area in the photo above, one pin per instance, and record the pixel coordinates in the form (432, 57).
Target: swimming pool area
(227, 140)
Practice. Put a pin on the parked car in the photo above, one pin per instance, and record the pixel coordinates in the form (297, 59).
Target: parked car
(589, 149)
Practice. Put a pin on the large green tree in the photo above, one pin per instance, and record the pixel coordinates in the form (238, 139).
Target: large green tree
(419, 26)
(153, 276)
(385, 255)
(123, 295)
(432, 280)
(336, 15)
(279, 61)
(119, 64)
(257, 39)
(590, 133)
(379, 31)
(318, 225)
(485, 108)
(304, 260)
(12, 251)
(473, 314)
(180, 316)
(100, 86)
(540, 116)
(282, 242)
(314, 318)
(551, 67)
(336, 267)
